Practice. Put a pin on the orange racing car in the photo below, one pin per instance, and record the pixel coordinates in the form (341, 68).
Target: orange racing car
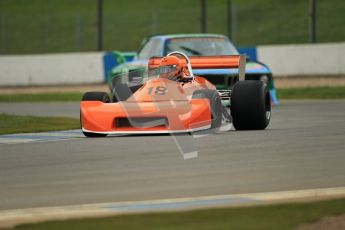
(173, 100)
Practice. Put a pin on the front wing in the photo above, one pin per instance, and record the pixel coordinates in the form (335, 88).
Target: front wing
(145, 117)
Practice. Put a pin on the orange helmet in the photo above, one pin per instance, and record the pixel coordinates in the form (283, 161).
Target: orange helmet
(171, 67)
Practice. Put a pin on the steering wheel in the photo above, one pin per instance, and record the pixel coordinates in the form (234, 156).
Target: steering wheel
(189, 66)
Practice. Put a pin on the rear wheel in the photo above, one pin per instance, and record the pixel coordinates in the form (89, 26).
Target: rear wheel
(215, 103)
(250, 105)
(95, 96)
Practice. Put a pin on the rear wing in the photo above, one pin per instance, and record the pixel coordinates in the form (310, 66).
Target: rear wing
(210, 62)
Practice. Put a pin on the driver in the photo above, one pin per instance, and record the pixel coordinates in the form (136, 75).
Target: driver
(173, 68)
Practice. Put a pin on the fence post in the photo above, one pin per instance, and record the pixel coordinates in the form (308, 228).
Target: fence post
(312, 21)
(3, 34)
(228, 18)
(203, 15)
(77, 31)
(99, 25)
(234, 23)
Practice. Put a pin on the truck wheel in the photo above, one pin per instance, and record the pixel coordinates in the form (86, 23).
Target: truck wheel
(95, 96)
(216, 106)
(250, 105)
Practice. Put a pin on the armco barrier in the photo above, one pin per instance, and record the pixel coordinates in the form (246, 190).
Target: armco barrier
(78, 68)
(306, 59)
(51, 69)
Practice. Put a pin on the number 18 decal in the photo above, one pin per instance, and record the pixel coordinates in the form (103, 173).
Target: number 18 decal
(160, 90)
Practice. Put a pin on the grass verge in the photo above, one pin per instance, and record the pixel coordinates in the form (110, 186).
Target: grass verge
(279, 216)
(41, 97)
(26, 124)
(325, 92)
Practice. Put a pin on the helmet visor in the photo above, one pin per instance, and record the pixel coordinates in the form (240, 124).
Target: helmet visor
(167, 69)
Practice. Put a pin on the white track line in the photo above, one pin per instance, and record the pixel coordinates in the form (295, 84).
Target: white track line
(40, 137)
(10, 218)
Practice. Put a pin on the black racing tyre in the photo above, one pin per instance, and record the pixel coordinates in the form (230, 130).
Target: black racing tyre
(95, 96)
(121, 91)
(135, 88)
(215, 103)
(250, 105)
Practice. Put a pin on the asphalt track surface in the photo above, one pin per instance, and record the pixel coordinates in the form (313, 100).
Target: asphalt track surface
(66, 109)
(303, 148)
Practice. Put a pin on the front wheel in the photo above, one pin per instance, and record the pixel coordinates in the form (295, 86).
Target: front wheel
(250, 105)
(121, 91)
(215, 106)
(94, 96)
